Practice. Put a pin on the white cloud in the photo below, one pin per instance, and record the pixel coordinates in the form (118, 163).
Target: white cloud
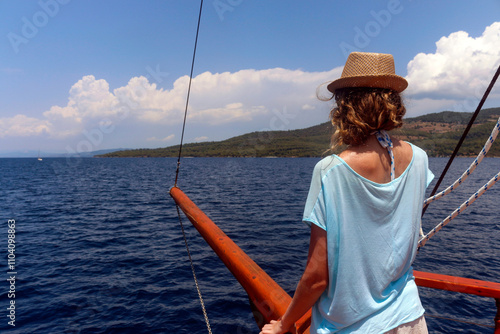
(461, 66)
(22, 126)
(417, 107)
(230, 113)
(308, 107)
(88, 104)
(145, 102)
(202, 138)
(92, 98)
(216, 98)
(167, 138)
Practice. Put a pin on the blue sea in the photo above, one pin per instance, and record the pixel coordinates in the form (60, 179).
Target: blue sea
(99, 248)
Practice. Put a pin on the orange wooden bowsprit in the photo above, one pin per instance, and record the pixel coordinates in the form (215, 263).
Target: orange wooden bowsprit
(268, 300)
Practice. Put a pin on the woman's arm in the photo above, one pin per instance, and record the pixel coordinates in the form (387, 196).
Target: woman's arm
(312, 284)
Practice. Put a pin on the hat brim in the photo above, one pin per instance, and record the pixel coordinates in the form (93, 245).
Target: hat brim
(388, 81)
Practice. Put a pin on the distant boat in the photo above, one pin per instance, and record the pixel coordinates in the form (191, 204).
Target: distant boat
(39, 159)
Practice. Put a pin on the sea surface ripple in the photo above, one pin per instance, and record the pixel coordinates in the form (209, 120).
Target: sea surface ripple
(99, 247)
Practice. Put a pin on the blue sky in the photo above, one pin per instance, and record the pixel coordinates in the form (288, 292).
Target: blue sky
(90, 75)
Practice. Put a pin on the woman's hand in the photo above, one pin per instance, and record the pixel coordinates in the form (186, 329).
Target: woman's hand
(313, 283)
(276, 327)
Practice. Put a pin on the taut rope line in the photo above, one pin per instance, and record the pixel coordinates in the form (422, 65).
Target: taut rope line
(464, 176)
(471, 168)
(188, 93)
(459, 210)
(177, 175)
(205, 315)
(464, 134)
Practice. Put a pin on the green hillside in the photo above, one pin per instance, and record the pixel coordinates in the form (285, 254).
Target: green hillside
(436, 133)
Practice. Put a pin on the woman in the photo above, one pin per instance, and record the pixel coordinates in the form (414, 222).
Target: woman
(364, 207)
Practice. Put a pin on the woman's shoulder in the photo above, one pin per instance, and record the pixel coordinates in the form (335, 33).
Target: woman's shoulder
(327, 163)
(403, 150)
(417, 151)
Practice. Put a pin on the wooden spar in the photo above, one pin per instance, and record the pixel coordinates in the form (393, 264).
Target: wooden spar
(268, 300)
(462, 285)
(457, 284)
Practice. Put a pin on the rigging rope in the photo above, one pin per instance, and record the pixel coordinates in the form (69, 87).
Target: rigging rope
(464, 134)
(461, 179)
(459, 210)
(471, 168)
(205, 315)
(177, 174)
(187, 97)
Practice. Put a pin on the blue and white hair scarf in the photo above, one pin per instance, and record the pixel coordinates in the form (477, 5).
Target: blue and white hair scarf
(385, 141)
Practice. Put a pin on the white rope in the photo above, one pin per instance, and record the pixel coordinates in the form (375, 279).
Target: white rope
(471, 168)
(459, 210)
(457, 183)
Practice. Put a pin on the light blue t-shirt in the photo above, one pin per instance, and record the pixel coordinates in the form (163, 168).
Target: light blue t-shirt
(372, 234)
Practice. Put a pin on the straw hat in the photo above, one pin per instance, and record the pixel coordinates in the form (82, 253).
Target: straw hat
(375, 70)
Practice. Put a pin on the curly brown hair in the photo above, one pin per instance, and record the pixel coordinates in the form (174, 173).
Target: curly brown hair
(361, 111)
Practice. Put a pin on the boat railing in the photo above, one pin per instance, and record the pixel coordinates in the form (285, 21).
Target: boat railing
(462, 285)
